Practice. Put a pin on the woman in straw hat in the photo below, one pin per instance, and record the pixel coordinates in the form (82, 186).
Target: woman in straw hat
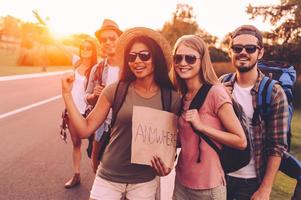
(199, 174)
(145, 57)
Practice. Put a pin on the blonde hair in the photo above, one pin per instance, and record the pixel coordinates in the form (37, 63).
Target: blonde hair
(207, 73)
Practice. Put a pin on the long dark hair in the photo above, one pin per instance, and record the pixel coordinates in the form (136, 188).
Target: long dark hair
(93, 57)
(159, 62)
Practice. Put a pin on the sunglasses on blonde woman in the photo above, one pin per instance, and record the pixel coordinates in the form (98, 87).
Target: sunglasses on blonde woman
(143, 56)
(189, 59)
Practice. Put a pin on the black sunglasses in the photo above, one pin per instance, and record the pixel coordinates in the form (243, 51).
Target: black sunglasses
(105, 39)
(143, 56)
(190, 59)
(250, 48)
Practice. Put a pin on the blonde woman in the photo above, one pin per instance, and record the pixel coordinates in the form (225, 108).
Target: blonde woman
(199, 174)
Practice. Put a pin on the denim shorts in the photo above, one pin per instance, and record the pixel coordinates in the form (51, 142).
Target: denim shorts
(108, 190)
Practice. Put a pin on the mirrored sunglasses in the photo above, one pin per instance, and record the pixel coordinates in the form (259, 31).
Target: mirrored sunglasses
(189, 59)
(143, 56)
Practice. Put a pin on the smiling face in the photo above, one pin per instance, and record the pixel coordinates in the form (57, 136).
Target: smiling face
(187, 62)
(86, 50)
(245, 61)
(107, 40)
(140, 61)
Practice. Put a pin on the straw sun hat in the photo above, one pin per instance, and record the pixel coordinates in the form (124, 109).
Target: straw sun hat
(108, 24)
(132, 33)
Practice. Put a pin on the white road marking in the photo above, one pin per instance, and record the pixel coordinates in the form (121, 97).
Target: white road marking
(25, 76)
(29, 106)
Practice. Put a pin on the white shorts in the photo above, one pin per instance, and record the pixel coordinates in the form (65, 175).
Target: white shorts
(107, 190)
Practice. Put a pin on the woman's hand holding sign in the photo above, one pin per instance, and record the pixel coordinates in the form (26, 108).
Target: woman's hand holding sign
(160, 168)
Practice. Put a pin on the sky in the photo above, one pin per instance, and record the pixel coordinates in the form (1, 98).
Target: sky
(218, 17)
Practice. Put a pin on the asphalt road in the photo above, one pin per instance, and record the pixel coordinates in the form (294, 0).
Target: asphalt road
(34, 161)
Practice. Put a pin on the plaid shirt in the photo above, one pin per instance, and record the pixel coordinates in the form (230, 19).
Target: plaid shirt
(268, 139)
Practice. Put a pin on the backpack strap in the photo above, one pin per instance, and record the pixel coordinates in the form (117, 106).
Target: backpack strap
(200, 97)
(227, 77)
(264, 99)
(99, 71)
(121, 92)
(166, 99)
(119, 97)
(197, 103)
(209, 141)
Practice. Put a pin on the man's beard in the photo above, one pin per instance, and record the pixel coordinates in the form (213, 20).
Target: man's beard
(245, 69)
(242, 68)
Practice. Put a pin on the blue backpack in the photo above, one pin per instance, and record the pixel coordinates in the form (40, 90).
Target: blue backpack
(285, 75)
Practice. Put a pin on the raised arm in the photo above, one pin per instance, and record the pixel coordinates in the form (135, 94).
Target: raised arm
(84, 126)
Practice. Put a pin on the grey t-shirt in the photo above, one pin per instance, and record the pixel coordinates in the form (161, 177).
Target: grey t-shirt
(116, 163)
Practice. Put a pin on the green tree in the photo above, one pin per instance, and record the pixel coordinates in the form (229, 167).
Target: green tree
(183, 22)
(218, 55)
(284, 41)
(286, 17)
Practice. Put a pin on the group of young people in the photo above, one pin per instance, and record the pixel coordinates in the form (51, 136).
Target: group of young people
(144, 60)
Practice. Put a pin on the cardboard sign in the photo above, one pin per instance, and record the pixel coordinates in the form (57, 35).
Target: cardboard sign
(154, 132)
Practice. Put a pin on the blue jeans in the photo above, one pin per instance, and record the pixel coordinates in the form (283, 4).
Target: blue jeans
(241, 188)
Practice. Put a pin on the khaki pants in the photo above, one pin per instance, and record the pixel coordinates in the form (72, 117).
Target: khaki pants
(183, 193)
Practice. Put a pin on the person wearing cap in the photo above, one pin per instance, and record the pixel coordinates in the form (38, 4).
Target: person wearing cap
(102, 74)
(145, 57)
(268, 141)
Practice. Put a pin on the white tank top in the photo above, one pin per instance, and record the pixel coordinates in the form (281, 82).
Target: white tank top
(78, 92)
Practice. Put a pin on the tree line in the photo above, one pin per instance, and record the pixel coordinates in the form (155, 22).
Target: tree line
(283, 43)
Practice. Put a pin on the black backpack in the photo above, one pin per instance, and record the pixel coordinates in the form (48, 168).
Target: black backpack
(231, 159)
(119, 98)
